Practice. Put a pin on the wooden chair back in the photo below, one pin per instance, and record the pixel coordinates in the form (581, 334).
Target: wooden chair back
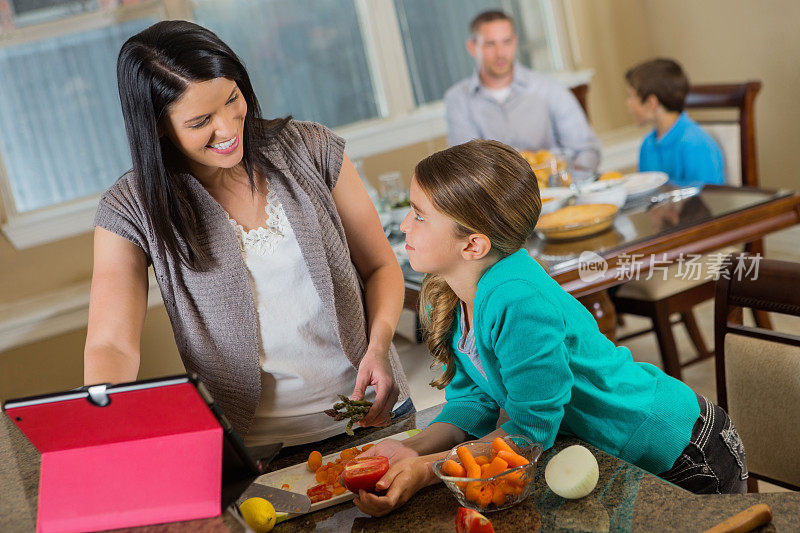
(741, 98)
(581, 92)
(758, 369)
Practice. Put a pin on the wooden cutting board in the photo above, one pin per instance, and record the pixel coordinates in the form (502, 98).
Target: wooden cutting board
(300, 478)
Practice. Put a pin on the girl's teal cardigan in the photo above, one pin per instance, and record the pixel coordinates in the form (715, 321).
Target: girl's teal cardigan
(549, 367)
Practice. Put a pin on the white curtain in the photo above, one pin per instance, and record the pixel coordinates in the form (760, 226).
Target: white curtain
(305, 57)
(61, 131)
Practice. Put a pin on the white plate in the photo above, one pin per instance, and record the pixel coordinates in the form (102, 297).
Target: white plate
(603, 192)
(300, 478)
(559, 196)
(639, 184)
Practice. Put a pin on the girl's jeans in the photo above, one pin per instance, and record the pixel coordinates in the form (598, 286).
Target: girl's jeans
(714, 462)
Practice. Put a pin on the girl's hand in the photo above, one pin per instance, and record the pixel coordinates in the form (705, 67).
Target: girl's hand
(401, 482)
(376, 370)
(394, 450)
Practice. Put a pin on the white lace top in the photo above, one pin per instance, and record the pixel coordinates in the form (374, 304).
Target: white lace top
(303, 366)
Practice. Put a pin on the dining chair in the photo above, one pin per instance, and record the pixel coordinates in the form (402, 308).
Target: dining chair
(659, 299)
(581, 92)
(758, 370)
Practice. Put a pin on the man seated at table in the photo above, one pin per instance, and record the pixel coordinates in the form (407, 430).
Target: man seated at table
(510, 103)
(677, 145)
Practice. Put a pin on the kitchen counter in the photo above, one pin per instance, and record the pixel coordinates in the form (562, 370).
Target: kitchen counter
(626, 497)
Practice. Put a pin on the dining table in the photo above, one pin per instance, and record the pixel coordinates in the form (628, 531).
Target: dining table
(649, 233)
(626, 497)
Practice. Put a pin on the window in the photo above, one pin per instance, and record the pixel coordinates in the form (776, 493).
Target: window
(61, 128)
(364, 64)
(306, 58)
(28, 12)
(434, 36)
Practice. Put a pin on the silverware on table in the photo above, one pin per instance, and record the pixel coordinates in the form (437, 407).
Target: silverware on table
(675, 195)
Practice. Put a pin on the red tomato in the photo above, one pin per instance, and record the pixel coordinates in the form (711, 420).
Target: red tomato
(364, 472)
(318, 493)
(471, 521)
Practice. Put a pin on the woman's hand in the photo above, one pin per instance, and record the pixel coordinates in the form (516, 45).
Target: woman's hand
(401, 482)
(375, 370)
(392, 449)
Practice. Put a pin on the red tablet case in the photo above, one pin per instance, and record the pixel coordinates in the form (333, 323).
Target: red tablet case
(150, 456)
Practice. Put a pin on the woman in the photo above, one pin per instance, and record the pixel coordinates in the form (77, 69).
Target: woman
(261, 237)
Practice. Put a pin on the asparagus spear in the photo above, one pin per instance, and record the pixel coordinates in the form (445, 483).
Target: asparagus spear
(354, 410)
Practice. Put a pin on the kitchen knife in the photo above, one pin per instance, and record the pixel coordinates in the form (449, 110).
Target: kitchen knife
(283, 501)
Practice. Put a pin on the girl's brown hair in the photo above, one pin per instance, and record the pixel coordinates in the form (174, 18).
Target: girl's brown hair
(484, 187)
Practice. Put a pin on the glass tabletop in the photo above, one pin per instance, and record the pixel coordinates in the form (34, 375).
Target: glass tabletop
(637, 221)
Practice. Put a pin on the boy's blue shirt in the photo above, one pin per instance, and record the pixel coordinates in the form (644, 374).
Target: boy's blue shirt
(549, 367)
(686, 153)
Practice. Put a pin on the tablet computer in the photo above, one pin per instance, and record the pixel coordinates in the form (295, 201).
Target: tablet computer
(238, 464)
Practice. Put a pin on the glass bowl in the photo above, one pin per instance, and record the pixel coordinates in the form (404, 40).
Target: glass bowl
(576, 221)
(518, 480)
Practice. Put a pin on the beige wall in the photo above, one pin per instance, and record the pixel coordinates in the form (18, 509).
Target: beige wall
(27, 273)
(611, 38)
(57, 364)
(716, 40)
(402, 160)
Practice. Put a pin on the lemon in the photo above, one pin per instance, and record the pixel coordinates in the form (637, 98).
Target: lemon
(259, 514)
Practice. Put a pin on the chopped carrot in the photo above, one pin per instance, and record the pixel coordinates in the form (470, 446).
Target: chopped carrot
(452, 468)
(482, 460)
(466, 458)
(484, 469)
(499, 496)
(314, 461)
(348, 454)
(518, 479)
(472, 491)
(513, 459)
(499, 445)
(513, 483)
(285, 486)
(321, 475)
(497, 466)
(366, 447)
(338, 489)
(485, 495)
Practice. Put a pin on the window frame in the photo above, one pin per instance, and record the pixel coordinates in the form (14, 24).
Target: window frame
(401, 122)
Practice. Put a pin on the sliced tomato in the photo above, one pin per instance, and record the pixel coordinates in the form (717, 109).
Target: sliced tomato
(364, 473)
(319, 493)
(471, 521)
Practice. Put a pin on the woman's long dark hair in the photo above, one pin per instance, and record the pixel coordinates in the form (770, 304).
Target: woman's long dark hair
(154, 68)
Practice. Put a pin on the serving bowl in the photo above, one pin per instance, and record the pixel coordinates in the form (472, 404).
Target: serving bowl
(518, 481)
(611, 191)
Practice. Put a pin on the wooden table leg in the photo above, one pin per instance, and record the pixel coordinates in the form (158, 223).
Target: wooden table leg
(602, 309)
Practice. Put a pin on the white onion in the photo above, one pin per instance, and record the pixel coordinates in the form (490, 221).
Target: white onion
(572, 473)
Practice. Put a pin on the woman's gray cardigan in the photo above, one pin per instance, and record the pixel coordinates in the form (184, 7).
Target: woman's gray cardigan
(213, 313)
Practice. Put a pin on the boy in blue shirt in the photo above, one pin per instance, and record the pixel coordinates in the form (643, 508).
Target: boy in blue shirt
(677, 145)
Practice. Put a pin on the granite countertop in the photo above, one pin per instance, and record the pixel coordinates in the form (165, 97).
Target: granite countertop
(626, 498)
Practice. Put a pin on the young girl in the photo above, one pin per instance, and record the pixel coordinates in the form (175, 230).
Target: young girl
(510, 338)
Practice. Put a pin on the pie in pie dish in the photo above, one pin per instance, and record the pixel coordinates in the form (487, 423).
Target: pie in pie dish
(577, 221)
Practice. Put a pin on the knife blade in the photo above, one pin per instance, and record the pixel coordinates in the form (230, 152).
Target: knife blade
(283, 501)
